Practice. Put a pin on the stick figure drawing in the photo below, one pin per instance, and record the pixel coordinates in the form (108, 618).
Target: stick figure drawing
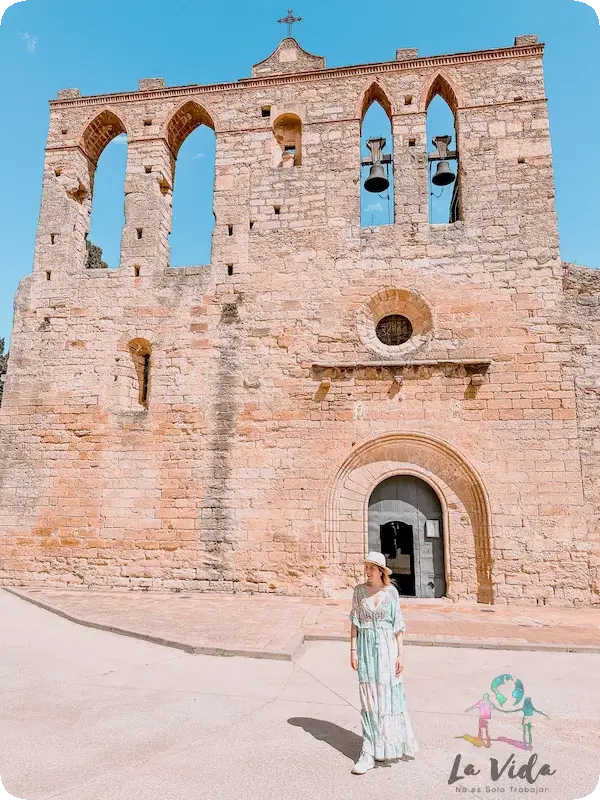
(500, 687)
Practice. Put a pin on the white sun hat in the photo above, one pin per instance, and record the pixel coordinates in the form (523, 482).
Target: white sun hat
(373, 557)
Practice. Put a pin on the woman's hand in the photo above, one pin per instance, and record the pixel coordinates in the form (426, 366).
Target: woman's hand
(354, 660)
(399, 665)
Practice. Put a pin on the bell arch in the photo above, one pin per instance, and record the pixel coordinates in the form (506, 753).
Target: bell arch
(98, 132)
(441, 107)
(106, 170)
(377, 160)
(375, 93)
(440, 85)
(464, 501)
(287, 132)
(189, 116)
(191, 140)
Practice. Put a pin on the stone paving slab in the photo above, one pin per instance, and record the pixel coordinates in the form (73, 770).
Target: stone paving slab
(275, 627)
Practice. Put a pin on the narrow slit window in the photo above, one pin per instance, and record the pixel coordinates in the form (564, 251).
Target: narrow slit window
(230, 269)
(139, 232)
(230, 230)
(277, 210)
(52, 238)
(251, 224)
(48, 274)
(145, 381)
(136, 271)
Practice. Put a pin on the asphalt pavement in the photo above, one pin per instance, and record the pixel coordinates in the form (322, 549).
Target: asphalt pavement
(91, 715)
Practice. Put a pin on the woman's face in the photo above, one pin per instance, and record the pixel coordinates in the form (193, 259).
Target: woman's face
(372, 573)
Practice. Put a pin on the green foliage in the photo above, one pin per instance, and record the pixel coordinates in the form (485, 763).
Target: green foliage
(94, 256)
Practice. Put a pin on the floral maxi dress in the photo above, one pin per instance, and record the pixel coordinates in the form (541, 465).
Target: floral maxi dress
(387, 731)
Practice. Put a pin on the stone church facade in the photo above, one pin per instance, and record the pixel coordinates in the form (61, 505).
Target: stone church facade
(242, 426)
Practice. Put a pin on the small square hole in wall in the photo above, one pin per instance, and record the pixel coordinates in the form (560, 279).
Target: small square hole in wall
(230, 269)
(48, 275)
(266, 111)
(53, 238)
(64, 131)
(412, 142)
(58, 171)
(148, 168)
(521, 160)
(147, 123)
(230, 230)
(136, 271)
(277, 210)
(139, 232)
(408, 100)
(518, 98)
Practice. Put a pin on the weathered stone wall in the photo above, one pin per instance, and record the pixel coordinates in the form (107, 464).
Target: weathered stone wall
(252, 465)
(582, 323)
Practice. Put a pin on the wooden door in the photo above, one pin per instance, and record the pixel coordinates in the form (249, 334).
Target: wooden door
(401, 506)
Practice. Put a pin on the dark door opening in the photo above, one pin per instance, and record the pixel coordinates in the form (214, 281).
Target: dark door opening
(405, 524)
(397, 544)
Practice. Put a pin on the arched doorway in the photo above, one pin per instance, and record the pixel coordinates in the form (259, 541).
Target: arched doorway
(405, 524)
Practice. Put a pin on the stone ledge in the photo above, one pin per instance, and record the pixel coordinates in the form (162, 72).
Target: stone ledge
(291, 648)
(473, 366)
(425, 362)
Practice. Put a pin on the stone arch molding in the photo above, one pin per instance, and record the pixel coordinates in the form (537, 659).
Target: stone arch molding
(375, 91)
(391, 300)
(184, 119)
(98, 131)
(446, 87)
(467, 526)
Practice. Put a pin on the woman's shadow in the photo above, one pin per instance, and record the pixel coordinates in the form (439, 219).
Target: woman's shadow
(344, 741)
(347, 743)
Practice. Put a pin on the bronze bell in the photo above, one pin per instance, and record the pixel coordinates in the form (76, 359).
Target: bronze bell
(443, 174)
(377, 181)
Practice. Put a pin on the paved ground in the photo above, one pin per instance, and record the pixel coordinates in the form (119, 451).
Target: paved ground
(272, 626)
(88, 715)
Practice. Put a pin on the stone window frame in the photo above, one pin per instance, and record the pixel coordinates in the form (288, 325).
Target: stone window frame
(403, 302)
(287, 132)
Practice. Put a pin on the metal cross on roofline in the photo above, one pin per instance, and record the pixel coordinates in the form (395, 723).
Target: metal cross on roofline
(289, 20)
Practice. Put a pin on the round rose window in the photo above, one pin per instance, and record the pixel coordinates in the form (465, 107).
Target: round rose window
(394, 329)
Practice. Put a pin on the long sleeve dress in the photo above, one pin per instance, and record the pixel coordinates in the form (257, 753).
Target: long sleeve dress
(387, 731)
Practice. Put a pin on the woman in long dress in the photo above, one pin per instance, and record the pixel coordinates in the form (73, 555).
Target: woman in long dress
(376, 653)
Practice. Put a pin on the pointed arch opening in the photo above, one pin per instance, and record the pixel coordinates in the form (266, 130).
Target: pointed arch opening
(444, 168)
(377, 159)
(104, 141)
(192, 143)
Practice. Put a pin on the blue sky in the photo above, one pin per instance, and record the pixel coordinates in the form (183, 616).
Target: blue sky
(107, 46)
